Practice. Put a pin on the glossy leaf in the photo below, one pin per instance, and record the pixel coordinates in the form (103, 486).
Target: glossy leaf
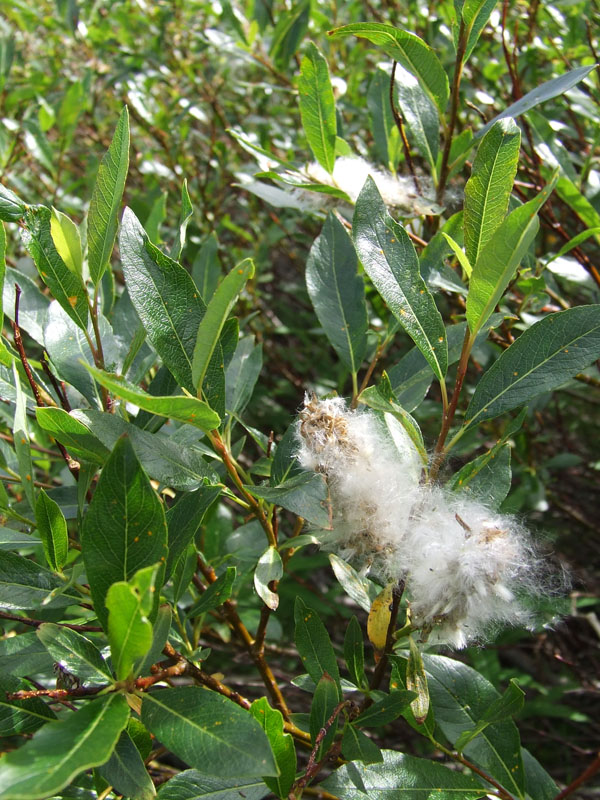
(179, 407)
(164, 296)
(475, 14)
(217, 311)
(24, 584)
(388, 144)
(73, 434)
(66, 287)
(356, 746)
(317, 106)
(389, 258)
(75, 653)
(208, 731)
(546, 91)
(304, 494)
(216, 593)
(21, 716)
(126, 771)
(354, 653)
(52, 528)
(187, 212)
(337, 292)
(408, 50)
(402, 777)
(538, 784)
(541, 359)
(23, 654)
(106, 199)
(461, 697)
(61, 750)
(356, 586)
(12, 209)
(160, 634)
(325, 699)
(420, 117)
(269, 568)
(282, 745)
(124, 528)
(194, 785)
(314, 644)
(488, 189)
(65, 235)
(487, 477)
(500, 257)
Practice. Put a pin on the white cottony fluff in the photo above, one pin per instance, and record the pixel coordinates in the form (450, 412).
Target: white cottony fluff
(465, 567)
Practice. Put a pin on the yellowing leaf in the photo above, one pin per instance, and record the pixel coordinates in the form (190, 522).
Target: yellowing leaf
(379, 618)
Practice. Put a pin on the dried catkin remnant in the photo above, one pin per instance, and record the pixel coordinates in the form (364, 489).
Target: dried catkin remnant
(466, 568)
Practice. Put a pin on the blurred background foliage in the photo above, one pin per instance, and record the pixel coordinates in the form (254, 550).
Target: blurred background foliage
(193, 71)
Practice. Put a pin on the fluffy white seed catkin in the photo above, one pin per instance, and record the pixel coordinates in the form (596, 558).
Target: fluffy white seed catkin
(465, 567)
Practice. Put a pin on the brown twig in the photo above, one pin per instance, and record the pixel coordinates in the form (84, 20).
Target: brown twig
(402, 131)
(314, 767)
(458, 68)
(58, 388)
(35, 623)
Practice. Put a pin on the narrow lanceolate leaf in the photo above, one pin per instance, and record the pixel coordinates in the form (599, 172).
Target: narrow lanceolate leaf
(65, 235)
(12, 208)
(390, 260)
(499, 259)
(388, 145)
(61, 750)
(420, 116)
(126, 771)
(314, 644)
(24, 584)
(66, 287)
(215, 317)
(488, 189)
(106, 199)
(402, 777)
(180, 407)
(325, 699)
(129, 629)
(385, 710)
(164, 296)
(379, 617)
(124, 528)
(337, 292)
(76, 437)
(216, 594)
(75, 653)
(269, 568)
(209, 732)
(475, 14)
(282, 745)
(510, 703)
(193, 785)
(540, 94)
(52, 528)
(407, 49)
(354, 653)
(416, 681)
(541, 359)
(356, 746)
(317, 106)
(185, 216)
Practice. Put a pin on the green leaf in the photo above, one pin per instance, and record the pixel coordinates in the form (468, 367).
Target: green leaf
(487, 477)
(337, 292)
(546, 91)
(317, 106)
(314, 644)
(291, 28)
(106, 200)
(356, 746)
(269, 568)
(459, 253)
(21, 439)
(386, 710)
(73, 434)
(541, 359)
(179, 407)
(24, 654)
(215, 595)
(66, 287)
(500, 257)
(241, 375)
(402, 777)
(12, 209)
(24, 584)
(282, 745)
(420, 117)
(194, 785)
(390, 260)
(538, 784)
(416, 681)
(488, 189)
(475, 14)
(356, 586)
(65, 235)
(398, 682)
(388, 145)
(408, 50)
(184, 519)
(75, 653)
(160, 634)
(124, 528)
(206, 269)
(164, 296)
(325, 698)
(461, 697)
(208, 731)
(304, 494)
(21, 716)
(216, 314)
(129, 629)
(52, 528)
(510, 703)
(126, 771)
(354, 653)
(187, 211)
(61, 750)
(572, 196)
